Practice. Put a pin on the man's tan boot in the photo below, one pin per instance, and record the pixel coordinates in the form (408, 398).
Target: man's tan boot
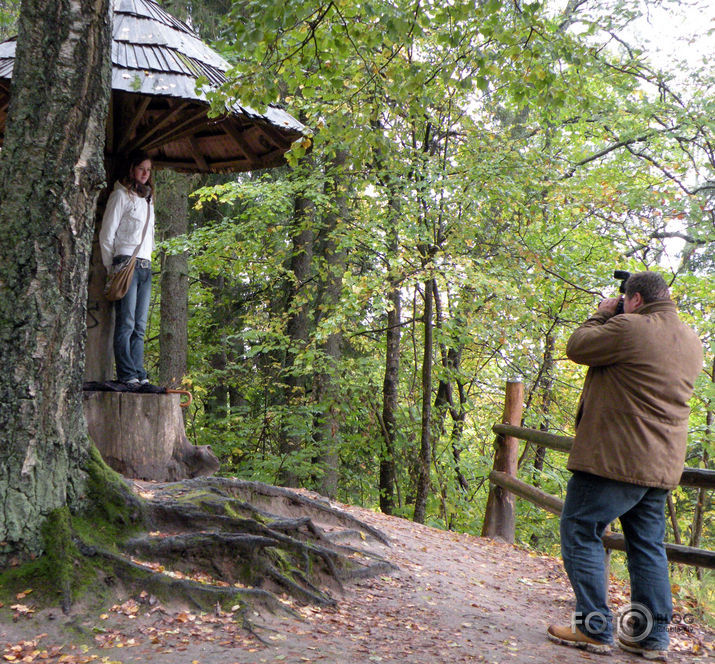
(647, 653)
(565, 636)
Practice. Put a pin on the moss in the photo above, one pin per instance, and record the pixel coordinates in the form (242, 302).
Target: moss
(195, 496)
(60, 553)
(113, 513)
(110, 515)
(237, 512)
(61, 574)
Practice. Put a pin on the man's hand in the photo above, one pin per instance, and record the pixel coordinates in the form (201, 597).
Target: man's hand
(609, 305)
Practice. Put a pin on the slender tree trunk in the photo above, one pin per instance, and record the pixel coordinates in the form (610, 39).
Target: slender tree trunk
(703, 501)
(391, 381)
(456, 438)
(393, 334)
(547, 384)
(423, 480)
(443, 398)
(330, 290)
(297, 329)
(172, 221)
(390, 401)
(51, 174)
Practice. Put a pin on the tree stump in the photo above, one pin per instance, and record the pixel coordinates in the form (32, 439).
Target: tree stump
(142, 436)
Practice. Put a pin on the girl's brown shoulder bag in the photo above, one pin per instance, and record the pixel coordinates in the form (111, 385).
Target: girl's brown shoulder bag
(119, 282)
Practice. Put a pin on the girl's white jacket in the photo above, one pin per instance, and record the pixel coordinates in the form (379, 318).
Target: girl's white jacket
(122, 226)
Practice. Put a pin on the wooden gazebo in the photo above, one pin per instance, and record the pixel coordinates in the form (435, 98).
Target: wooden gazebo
(156, 60)
(154, 106)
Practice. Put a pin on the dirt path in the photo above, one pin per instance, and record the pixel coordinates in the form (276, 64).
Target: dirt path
(454, 598)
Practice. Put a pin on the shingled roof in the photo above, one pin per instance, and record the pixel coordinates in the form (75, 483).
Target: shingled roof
(156, 60)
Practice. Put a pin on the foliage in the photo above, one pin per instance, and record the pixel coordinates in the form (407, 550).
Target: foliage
(513, 153)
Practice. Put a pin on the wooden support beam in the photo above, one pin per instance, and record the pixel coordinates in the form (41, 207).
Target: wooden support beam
(179, 131)
(198, 157)
(531, 493)
(159, 124)
(275, 137)
(677, 553)
(699, 478)
(499, 518)
(129, 130)
(232, 131)
(550, 440)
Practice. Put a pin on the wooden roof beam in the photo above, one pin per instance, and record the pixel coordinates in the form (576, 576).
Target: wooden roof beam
(160, 124)
(198, 157)
(227, 166)
(178, 131)
(237, 137)
(138, 113)
(275, 137)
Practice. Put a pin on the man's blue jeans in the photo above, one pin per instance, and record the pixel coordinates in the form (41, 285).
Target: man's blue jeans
(592, 503)
(131, 313)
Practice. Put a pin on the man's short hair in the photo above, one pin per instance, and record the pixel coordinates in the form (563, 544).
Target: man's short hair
(650, 285)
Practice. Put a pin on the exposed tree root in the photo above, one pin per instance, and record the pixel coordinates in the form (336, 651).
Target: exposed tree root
(214, 541)
(201, 596)
(257, 494)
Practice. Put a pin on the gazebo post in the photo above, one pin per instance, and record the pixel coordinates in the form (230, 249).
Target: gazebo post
(99, 351)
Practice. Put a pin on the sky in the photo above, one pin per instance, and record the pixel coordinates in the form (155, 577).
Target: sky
(678, 31)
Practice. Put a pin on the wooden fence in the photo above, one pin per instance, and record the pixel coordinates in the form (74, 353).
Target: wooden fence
(499, 515)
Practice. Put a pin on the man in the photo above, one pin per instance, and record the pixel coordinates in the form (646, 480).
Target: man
(628, 452)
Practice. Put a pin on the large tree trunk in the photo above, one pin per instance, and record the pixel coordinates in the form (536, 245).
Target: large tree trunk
(51, 173)
(172, 221)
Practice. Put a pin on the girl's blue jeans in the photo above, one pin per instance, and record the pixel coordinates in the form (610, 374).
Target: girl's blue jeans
(131, 313)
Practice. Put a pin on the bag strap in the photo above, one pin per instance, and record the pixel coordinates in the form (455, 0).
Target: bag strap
(146, 225)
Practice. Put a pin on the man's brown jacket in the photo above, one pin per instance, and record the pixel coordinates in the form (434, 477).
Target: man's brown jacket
(632, 420)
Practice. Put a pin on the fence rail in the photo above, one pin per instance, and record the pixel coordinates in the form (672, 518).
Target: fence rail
(697, 478)
(691, 477)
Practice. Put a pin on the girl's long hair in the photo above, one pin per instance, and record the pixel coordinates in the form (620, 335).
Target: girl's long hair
(132, 161)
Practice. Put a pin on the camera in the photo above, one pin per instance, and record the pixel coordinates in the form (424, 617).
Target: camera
(623, 276)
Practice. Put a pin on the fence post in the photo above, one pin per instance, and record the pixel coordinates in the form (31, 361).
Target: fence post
(499, 514)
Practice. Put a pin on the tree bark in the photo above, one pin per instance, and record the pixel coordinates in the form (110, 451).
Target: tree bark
(423, 480)
(460, 416)
(172, 221)
(51, 174)
(390, 398)
(297, 328)
(391, 380)
(547, 385)
(330, 289)
(148, 441)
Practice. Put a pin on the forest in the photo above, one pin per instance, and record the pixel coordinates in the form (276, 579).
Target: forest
(472, 176)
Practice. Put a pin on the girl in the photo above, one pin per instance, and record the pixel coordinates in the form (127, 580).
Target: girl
(129, 209)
